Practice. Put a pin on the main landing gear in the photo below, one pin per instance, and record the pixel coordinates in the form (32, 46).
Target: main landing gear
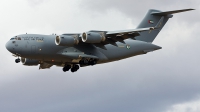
(88, 62)
(83, 62)
(73, 68)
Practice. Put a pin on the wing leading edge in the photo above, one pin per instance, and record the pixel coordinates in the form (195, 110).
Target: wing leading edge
(154, 20)
(136, 31)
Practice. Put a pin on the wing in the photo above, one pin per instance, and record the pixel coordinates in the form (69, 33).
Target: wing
(111, 37)
(116, 36)
(135, 32)
(119, 36)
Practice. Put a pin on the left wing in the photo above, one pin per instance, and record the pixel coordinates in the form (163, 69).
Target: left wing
(108, 37)
(111, 37)
(119, 36)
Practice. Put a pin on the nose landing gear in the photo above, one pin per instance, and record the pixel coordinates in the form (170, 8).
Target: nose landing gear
(17, 60)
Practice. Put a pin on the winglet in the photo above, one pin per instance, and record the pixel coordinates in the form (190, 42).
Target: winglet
(170, 12)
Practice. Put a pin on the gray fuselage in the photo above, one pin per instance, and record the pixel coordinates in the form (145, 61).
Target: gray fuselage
(43, 48)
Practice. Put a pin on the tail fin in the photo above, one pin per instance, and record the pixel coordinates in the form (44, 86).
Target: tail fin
(158, 18)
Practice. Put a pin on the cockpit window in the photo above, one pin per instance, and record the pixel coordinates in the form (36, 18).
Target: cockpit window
(19, 38)
(16, 38)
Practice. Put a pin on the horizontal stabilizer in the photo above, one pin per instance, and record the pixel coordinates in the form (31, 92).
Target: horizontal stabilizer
(170, 12)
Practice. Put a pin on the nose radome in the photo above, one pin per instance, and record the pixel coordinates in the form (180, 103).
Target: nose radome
(8, 46)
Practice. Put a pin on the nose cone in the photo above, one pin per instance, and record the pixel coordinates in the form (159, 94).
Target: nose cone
(8, 46)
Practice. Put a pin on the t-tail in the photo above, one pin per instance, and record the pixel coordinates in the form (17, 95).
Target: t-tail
(155, 19)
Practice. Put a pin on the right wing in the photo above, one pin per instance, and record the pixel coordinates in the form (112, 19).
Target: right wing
(111, 37)
(119, 36)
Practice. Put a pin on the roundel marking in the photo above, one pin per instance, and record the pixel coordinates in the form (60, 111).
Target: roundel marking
(128, 46)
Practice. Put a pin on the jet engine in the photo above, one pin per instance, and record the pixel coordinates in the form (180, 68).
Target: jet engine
(29, 62)
(64, 40)
(92, 37)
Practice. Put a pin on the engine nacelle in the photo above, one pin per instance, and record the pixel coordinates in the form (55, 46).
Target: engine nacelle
(92, 37)
(64, 40)
(29, 62)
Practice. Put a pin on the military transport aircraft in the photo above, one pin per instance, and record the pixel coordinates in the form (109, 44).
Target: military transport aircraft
(72, 51)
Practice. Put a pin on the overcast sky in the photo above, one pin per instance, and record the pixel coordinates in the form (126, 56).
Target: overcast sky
(167, 80)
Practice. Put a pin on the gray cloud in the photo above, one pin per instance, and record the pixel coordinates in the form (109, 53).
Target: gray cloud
(36, 2)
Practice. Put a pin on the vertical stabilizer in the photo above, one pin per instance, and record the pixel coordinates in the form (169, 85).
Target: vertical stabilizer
(152, 18)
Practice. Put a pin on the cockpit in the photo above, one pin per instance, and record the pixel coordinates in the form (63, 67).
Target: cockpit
(16, 38)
